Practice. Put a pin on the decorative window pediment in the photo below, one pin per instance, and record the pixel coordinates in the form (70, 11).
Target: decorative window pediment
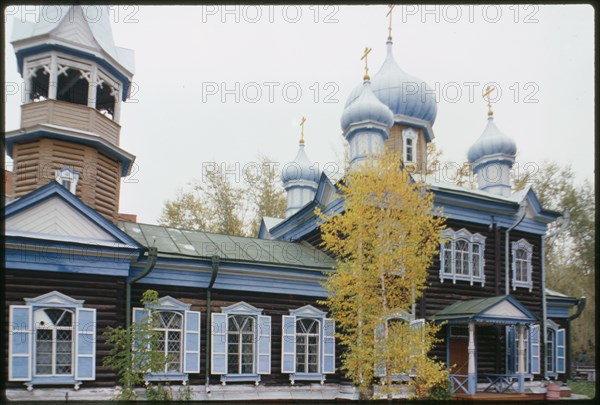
(241, 308)
(522, 252)
(54, 299)
(170, 303)
(462, 256)
(308, 311)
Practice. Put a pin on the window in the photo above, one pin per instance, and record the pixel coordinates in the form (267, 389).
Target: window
(405, 326)
(521, 264)
(532, 349)
(555, 355)
(73, 85)
(52, 340)
(461, 256)
(308, 344)
(68, 178)
(240, 343)
(179, 338)
(409, 137)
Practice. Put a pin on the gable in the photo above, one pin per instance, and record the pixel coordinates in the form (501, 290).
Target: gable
(505, 309)
(76, 29)
(51, 213)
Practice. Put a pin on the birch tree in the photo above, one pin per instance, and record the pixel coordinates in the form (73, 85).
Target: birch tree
(384, 241)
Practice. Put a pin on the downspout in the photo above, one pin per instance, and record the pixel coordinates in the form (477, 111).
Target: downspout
(521, 216)
(215, 271)
(566, 219)
(580, 307)
(148, 267)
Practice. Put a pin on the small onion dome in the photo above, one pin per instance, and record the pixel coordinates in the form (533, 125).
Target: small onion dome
(491, 142)
(366, 107)
(301, 168)
(402, 93)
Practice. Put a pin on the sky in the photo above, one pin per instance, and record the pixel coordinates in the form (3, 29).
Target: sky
(227, 84)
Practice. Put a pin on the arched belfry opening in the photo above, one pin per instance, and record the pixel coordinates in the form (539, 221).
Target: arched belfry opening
(72, 86)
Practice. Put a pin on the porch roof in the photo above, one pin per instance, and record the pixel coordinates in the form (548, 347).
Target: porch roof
(503, 309)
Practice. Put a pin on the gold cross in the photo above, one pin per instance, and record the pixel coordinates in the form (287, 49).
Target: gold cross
(365, 54)
(302, 130)
(389, 13)
(487, 93)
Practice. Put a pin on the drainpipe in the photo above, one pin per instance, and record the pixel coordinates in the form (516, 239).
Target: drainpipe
(521, 216)
(215, 271)
(566, 219)
(580, 307)
(149, 266)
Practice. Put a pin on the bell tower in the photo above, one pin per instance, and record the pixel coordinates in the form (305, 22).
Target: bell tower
(75, 80)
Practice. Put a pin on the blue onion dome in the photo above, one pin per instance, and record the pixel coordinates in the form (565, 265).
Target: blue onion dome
(366, 107)
(491, 142)
(300, 169)
(404, 94)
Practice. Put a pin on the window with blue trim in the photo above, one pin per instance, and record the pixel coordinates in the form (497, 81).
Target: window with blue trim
(308, 344)
(240, 343)
(521, 264)
(461, 256)
(179, 338)
(52, 340)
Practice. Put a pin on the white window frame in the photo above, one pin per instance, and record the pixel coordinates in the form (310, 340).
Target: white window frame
(449, 241)
(413, 135)
(261, 345)
(70, 175)
(170, 304)
(326, 344)
(557, 358)
(522, 244)
(54, 341)
(83, 353)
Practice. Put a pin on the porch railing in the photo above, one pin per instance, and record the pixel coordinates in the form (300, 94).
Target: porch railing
(459, 382)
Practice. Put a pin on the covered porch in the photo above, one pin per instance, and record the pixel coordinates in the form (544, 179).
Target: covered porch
(464, 318)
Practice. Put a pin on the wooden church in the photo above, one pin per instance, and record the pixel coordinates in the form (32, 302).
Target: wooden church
(240, 317)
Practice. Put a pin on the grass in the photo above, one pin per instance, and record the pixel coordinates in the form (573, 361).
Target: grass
(582, 387)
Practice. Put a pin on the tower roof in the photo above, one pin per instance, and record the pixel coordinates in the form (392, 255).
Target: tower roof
(491, 142)
(366, 107)
(97, 18)
(300, 169)
(404, 94)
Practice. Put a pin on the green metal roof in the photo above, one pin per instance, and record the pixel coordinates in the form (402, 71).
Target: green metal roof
(475, 310)
(182, 244)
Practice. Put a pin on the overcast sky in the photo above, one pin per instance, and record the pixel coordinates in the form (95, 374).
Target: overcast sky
(226, 84)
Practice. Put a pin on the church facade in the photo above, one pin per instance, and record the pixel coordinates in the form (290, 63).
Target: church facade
(240, 317)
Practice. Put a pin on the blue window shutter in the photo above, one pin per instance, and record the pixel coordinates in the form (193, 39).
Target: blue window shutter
(191, 342)
(218, 350)
(288, 344)
(534, 349)
(85, 344)
(264, 345)
(20, 343)
(379, 336)
(328, 346)
(511, 349)
(560, 351)
(139, 315)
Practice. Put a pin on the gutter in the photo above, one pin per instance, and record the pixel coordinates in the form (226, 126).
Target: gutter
(566, 220)
(215, 271)
(580, 307)
(148, 267)
(521, 216)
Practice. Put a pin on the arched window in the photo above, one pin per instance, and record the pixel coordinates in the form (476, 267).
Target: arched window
(170, 326)
(40, 80)
(240, 344)
(521, 264)
(53, 342)
(461, 256)
(409, 137)
(307, 345)
(179, 337)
